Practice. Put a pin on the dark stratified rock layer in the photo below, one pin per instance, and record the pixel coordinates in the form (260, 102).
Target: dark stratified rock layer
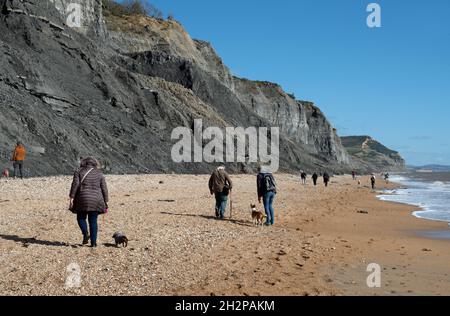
(116, 87)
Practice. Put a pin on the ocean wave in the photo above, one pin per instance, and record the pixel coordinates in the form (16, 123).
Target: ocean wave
(432, 197)
(441, 184)
(398, 179)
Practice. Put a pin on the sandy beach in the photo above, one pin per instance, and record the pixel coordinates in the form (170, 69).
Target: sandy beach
(321, 244)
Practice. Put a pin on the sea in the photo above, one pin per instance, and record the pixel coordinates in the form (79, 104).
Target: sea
(429, 191)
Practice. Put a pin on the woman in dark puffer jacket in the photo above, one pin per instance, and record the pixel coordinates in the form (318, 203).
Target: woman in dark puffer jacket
(88, 198)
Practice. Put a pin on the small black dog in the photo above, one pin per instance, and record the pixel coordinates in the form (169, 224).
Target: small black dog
(120, 239)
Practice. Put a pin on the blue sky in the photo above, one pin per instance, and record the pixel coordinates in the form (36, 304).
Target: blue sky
(392, 83)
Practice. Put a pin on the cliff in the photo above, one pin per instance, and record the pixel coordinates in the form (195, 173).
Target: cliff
(79, 82)
(371, 155)
(299, 120)
(164, 49)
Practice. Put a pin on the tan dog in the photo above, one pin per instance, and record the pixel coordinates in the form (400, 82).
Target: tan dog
(257, 216)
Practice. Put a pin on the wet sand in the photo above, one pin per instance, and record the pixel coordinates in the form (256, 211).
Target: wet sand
(321, 244)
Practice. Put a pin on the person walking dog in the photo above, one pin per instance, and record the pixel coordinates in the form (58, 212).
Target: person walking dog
(220, 185)
(267, 191)
(88, 198)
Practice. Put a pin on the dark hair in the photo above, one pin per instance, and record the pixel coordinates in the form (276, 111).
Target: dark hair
(89, 162)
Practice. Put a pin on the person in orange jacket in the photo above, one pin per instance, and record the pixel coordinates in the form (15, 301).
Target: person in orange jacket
(18, 158)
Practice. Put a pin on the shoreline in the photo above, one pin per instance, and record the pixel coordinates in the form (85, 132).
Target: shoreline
(321, 244)
(416, 209)
(402, 251)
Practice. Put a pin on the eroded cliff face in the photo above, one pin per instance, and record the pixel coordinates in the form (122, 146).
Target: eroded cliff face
(164, 49)
(372, 156)
(139, 35)
(63, 96)
(72, 88)
(299, 120)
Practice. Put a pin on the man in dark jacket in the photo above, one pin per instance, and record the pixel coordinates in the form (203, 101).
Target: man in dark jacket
(315, 176)
(220, 185)
(326, 178)
(267, 191)
(88, 198)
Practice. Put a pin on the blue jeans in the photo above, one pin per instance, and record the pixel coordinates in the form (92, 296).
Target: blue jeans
(93, 227)
(221, 204)
(268, 207)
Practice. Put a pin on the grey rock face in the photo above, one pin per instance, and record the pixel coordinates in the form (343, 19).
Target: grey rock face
(211, 80)
(62, 93)
(299, 120)
(117, 94)
(83, 15)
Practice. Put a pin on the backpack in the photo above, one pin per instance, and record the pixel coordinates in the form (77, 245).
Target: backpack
(269, 183)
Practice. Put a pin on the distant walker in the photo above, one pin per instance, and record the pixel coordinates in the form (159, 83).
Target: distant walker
(18, 158)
